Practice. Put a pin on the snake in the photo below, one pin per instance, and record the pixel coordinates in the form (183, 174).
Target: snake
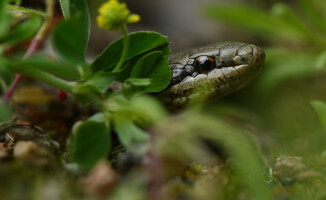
(211, 72)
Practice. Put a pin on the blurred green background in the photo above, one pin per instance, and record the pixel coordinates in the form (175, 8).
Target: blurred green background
(293, 36)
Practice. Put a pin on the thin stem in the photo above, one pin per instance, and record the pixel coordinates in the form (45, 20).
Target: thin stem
(49, 15)
(45, 77)
(37, 40)
(14, 8)
(11, 90)
(125, 47)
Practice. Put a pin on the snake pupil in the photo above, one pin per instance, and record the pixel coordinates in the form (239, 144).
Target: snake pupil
(204, 64)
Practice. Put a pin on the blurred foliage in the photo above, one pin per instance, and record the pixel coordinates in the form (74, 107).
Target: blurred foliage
(295, 36)
(278, 107)
(320, 109)
(5, 112)
(88, 149)
(186, 134)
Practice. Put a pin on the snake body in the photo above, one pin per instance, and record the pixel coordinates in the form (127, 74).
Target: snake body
(212, 71)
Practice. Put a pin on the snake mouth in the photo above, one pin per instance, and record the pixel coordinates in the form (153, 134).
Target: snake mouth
(234, 66)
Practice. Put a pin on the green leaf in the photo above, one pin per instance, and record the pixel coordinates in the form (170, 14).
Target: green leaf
(320, 109)
(78, 10)
(4, 18)
(155, 67)
(284, 12)
(134, 86)
(313, 12)
(5, 112)
(68, 41)
(140, 42)
(128, 66)
(139, 82)
(98, 83)
(98, 117)
(141, 71)
(22, 31)
(90, 143)
(131, 136)
(143, 110)
(6, 75)
(65, 7)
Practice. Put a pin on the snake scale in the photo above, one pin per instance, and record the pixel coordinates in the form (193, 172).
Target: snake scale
(212, 71)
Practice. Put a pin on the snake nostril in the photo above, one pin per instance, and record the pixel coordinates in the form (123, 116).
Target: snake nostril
(229, 63)
(243, 60)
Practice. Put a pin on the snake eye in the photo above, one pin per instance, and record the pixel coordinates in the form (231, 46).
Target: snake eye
(204, 64)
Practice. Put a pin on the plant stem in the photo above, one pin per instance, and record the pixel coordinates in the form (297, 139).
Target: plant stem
(40, 36)
(37, 40)
(14, 8)
(44, 77)
(8, 94)
(125, 47)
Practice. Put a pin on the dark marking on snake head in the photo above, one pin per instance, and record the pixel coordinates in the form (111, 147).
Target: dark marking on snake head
(177, 73)
(229, 63)
(243, 60)
(194, 74)
(177, 76)
(190, 69)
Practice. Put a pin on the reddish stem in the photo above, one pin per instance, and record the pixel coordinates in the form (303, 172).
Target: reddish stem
(37, 40)
(11, 90)
(31, 49)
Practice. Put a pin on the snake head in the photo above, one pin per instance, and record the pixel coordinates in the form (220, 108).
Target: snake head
(212, 71)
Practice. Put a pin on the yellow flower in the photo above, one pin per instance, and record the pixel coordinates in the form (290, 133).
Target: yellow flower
(113, 14)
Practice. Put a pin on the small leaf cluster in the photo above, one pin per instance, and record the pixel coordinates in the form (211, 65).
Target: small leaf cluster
(145, 69)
